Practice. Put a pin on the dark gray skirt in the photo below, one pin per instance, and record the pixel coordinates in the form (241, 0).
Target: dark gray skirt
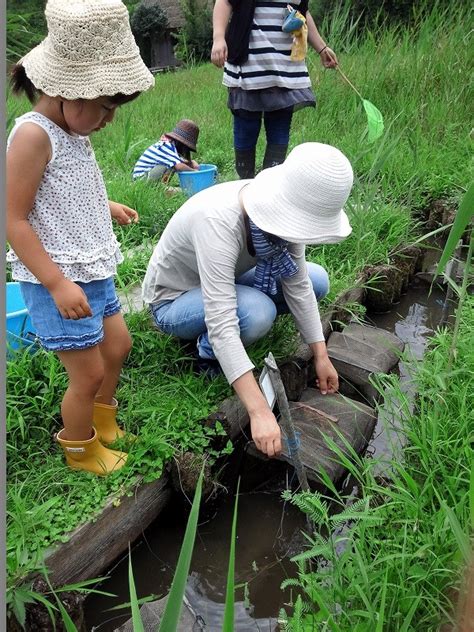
(270, 99)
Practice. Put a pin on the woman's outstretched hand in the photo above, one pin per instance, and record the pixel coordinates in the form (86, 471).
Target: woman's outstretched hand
(219, 52)
(328, 58)
(266, 432)
(327, 379)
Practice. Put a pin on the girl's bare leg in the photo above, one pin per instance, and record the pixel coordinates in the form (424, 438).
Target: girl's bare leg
(114, 350)
(85, 369)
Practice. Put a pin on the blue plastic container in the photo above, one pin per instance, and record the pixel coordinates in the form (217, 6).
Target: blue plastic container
(19, 329)
(192, 182)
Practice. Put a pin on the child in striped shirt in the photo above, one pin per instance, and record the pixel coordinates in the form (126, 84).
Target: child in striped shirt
(171, 153)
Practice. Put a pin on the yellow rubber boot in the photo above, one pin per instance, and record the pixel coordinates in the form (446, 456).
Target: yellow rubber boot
(105, 422)
(91, 456)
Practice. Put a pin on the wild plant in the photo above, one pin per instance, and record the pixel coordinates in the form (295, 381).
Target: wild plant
(391, 559)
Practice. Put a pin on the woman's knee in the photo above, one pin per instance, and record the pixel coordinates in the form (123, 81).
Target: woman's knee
(246, 131)
(257, 313)
(319, 278)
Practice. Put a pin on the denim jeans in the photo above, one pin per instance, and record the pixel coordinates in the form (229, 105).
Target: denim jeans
(247, 128)
(184, 317)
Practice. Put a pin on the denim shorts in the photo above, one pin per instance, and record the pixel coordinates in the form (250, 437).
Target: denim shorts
(65, 334)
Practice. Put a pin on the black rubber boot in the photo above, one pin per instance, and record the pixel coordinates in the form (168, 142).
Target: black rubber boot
(274, 155)
(245, 163)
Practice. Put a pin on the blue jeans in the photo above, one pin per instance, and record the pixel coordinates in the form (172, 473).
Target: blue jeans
(256, 311)
(247, 128)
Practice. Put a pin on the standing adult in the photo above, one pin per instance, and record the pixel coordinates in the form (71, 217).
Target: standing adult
(233, 257)
(263, 80)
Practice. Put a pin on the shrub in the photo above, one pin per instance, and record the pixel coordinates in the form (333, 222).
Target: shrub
(194, 40)
(147, 23)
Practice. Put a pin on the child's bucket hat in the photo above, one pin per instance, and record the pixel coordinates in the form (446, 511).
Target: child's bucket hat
(186, 132)
(89, 52)
(301, 200)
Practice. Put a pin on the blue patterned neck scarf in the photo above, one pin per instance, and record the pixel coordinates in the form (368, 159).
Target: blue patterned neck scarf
(273, 260)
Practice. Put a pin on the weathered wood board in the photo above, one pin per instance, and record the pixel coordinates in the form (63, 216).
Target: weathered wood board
(96, 544)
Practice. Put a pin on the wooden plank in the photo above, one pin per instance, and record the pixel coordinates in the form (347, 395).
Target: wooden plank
(94, 545)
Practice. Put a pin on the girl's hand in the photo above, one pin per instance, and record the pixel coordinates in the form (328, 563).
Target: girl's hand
(328, 58)
(194, 164)
(122, 214)
(327, 379)
(219, 52)
(70, 300)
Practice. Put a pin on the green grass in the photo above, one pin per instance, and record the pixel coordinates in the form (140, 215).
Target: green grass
(417, 78)
(403, 551)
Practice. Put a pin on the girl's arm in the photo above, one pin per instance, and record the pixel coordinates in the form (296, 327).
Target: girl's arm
(327, 56)
(123, 214)
(27, 158)
(220, 19)
(183, 166)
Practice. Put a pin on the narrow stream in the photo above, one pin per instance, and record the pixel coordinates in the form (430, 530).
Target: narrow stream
(269, 531)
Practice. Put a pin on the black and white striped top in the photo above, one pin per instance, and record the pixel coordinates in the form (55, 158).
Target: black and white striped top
(269, 62)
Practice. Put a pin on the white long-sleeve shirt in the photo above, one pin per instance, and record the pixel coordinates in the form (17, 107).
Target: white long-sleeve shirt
(205, 245)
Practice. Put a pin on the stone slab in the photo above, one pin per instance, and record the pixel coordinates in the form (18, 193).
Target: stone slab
(151, 614)
(317, 417)
(131, 299)
(360, 351)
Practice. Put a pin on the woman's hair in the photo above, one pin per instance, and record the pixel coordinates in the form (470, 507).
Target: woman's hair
(182, 149)
(21, 84)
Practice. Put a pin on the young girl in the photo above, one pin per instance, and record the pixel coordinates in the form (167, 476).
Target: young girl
(171, 153)
(59, 221)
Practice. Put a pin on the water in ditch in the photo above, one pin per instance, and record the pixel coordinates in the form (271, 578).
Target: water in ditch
(269, 531)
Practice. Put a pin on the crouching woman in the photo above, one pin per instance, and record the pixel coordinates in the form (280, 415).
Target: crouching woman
(233, 257)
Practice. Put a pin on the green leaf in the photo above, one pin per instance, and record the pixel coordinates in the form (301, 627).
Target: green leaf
(68, 622)
(169, 622)
(374, 121)
(462, 538)
(228, 625)
(471, 495)
(381, 612)
(128, 604)
(136, 617)
(461, 221)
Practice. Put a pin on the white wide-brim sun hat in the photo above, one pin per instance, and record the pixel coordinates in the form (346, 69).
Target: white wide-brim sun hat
(301, 200)
(89, 52)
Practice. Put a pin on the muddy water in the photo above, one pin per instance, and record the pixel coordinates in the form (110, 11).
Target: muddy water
(414, 321)
(269, 531)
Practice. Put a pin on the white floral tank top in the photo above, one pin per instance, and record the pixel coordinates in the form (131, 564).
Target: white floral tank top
(71, 214)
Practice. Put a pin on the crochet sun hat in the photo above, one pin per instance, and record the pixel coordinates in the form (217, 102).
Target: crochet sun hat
(301, 200)
(89, 52)
(186, 132)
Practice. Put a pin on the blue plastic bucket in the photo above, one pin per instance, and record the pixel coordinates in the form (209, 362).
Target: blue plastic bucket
(19, 329)
(192, 182)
